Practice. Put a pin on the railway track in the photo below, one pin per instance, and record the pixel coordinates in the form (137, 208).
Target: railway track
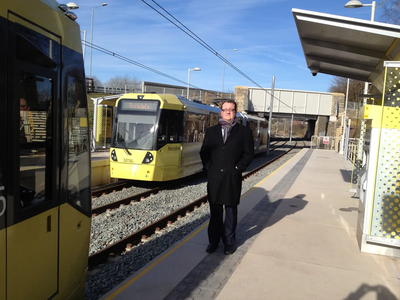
(110, 188)
(277, 145)
(137, 237)
(120, 185)
(126, 201)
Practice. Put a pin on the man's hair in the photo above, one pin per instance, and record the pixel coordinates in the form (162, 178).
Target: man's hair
(228, 101)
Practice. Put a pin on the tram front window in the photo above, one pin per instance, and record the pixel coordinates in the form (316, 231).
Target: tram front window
(135, 131)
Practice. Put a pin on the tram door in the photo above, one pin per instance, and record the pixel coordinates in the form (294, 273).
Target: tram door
(32, 181)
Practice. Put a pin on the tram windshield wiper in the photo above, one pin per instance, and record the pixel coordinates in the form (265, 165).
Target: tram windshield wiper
(121, 141)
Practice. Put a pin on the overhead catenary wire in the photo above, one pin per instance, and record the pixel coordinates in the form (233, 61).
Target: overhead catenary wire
(209, 48)
(116, 55)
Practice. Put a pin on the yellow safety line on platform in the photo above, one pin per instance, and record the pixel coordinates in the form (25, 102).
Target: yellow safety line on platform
(127, 284)
(155, 263)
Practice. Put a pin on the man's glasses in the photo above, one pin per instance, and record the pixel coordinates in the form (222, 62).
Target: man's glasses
(227, 110)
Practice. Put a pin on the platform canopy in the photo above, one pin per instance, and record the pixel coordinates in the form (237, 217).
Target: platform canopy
(346, 47)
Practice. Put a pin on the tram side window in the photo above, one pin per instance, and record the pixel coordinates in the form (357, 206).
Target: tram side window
(254, 128)
(195, 126)
(264, 133)
(78, 144)
(214, 119)
(35, 136)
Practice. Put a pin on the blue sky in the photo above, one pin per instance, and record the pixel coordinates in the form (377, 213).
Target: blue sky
(263, 32)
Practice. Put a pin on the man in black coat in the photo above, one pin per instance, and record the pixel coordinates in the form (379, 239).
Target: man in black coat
(227, 150)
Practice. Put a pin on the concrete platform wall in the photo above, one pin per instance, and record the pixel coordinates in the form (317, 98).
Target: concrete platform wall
(101, 172)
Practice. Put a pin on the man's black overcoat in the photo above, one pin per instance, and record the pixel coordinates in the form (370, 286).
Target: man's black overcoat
(219, 159)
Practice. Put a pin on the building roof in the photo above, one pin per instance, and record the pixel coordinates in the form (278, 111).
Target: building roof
(346, 47)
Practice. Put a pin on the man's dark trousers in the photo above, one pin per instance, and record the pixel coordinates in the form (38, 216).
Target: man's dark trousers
(218, 228)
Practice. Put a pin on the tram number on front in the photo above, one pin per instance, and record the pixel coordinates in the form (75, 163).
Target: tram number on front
(3, 201)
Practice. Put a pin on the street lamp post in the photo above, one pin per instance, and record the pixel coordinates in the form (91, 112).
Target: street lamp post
(91, 39)
(223, 74)
(195, 69)
(357, 4)
(344, 123)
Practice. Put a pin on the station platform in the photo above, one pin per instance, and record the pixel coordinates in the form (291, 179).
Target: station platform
(101, 168)
(100, 155)
(296, 240)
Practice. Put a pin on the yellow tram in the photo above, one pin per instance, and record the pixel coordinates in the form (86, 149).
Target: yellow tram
(45, 188)
(157, 137)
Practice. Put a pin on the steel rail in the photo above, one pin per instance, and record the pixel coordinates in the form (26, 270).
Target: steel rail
(136, 238)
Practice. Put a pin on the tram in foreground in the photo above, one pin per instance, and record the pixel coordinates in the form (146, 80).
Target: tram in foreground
(157, 137)
(45, 189)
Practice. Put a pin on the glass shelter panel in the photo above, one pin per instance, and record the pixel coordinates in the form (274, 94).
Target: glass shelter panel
(385, 222)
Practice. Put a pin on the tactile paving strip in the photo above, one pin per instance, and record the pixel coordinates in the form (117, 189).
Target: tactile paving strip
(207, 279)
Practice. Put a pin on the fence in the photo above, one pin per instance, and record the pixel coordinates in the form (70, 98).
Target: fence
(324, 142)
(352, 149)
(333, 143)
(108, 90)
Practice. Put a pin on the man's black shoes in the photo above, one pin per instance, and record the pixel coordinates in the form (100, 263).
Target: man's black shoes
(211, 248)
(229, 250)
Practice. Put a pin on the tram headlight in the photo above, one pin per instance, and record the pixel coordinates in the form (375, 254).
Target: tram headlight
(114, 155)
(148, 158)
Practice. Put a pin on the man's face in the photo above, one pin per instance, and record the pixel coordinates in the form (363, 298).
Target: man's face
(228, 111)
(22, 105)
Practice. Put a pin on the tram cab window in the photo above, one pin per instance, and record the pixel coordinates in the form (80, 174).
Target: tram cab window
(162, 131)
(175, 127)
(35, 138)
(78, 144)
(169, 128)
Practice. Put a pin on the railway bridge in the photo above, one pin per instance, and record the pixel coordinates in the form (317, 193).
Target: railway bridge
(323, 112)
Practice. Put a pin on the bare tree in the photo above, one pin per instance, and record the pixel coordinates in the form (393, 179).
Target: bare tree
(123, 82)
(97, 82)
(390, 11)
(356, 89)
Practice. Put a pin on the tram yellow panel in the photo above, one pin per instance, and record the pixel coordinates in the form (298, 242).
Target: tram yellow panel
(33, 244)
(41, 14)
(2, 264)
(136, 171)
(74, 248)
